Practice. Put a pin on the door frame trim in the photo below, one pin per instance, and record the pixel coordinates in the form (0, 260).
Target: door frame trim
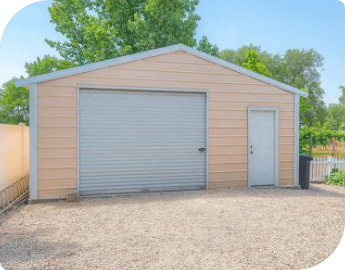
(124, 88)
(276, 140)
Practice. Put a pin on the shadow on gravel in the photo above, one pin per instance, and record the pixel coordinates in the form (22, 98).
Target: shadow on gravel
(166, 197)
(318, 190)
(26, 247)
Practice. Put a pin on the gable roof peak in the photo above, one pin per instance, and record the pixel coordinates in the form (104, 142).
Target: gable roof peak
(152, 53)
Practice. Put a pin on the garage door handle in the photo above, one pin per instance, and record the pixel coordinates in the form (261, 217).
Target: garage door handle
(202, 149)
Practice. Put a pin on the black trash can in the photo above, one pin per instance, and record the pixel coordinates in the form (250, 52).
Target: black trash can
(304, 169)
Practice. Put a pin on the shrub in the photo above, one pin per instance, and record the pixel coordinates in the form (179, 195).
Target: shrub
(337, 177)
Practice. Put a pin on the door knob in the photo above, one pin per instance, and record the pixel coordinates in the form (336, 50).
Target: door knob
(252, 152)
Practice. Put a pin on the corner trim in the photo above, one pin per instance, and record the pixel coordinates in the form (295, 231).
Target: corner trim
(33, 193)
(207, 141)
(78, 136)
(296, 142)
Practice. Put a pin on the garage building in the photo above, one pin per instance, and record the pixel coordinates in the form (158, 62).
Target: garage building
(168, 119)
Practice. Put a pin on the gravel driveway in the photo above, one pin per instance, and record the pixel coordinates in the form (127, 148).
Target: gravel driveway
(223, 229)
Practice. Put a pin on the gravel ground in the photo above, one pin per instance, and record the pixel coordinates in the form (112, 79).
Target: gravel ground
(222, 229)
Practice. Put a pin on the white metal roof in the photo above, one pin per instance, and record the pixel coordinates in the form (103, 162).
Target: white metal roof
(151, 53)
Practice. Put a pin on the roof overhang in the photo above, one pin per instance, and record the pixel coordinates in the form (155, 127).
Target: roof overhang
(152, 53)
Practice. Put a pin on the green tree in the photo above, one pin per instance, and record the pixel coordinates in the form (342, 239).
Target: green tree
(206, 47)
(310, 136)
(228, 55)
(303, 106)
(14, 103)
(238, 57)
(301, 69)
(298, 68)
(252, 63)
(46, 65)
(102, 29)
(342, 97)
(336, 115)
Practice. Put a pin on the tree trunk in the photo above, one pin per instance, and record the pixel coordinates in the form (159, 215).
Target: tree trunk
(334, 148)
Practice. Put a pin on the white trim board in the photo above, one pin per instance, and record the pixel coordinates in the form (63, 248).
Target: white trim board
(276, 140)
(296, 142)
(152, 53)
(33, 192)
(94, 87)
(78, 88)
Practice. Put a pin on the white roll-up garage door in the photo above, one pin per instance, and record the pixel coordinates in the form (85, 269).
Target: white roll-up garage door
(141, 141)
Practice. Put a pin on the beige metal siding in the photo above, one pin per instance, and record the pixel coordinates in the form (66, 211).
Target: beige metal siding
(57, 140)
(230, 94)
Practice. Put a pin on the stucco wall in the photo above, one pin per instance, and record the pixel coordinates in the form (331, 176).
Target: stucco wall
(230, 94)
(14, 153)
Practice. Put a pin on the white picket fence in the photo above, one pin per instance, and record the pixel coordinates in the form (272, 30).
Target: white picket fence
(322, 166)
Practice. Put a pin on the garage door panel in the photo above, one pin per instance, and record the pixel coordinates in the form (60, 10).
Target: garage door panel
(131, 141)
(137, 161)
(89, 153)
(139, 189)
(144, 185)
(89, 179)
(139, 172)
(140, 162)
(142, 141)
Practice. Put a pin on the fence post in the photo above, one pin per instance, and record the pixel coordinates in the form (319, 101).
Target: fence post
(329, 166)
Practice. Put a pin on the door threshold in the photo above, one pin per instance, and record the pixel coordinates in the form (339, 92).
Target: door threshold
(263, 186)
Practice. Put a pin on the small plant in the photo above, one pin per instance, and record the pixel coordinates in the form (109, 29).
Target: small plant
(337, 177)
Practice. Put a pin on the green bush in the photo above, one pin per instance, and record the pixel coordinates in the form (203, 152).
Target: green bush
(337, 177)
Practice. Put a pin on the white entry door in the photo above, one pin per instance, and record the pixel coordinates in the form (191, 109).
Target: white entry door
(261, 148)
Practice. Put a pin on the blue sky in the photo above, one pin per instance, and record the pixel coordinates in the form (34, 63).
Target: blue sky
(276, 26)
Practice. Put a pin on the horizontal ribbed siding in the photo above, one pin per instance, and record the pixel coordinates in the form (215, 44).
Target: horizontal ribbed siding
(230, 95)
(134, 141)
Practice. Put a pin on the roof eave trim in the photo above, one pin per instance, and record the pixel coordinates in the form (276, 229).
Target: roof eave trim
(98, 65)
(152, 53)
(243, 71)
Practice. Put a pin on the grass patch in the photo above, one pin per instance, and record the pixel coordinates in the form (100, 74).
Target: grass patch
(320, 151)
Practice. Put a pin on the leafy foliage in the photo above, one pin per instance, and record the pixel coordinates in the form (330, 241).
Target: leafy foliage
(303, 106)
(336, 116)
(322, 134)
(228, 55)
(46, 65)
(102, 29)
(342, 97)
(298, 68)
(14, 103)
(238, 57)
(206, 47)
(337, 177)
(254, 64)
